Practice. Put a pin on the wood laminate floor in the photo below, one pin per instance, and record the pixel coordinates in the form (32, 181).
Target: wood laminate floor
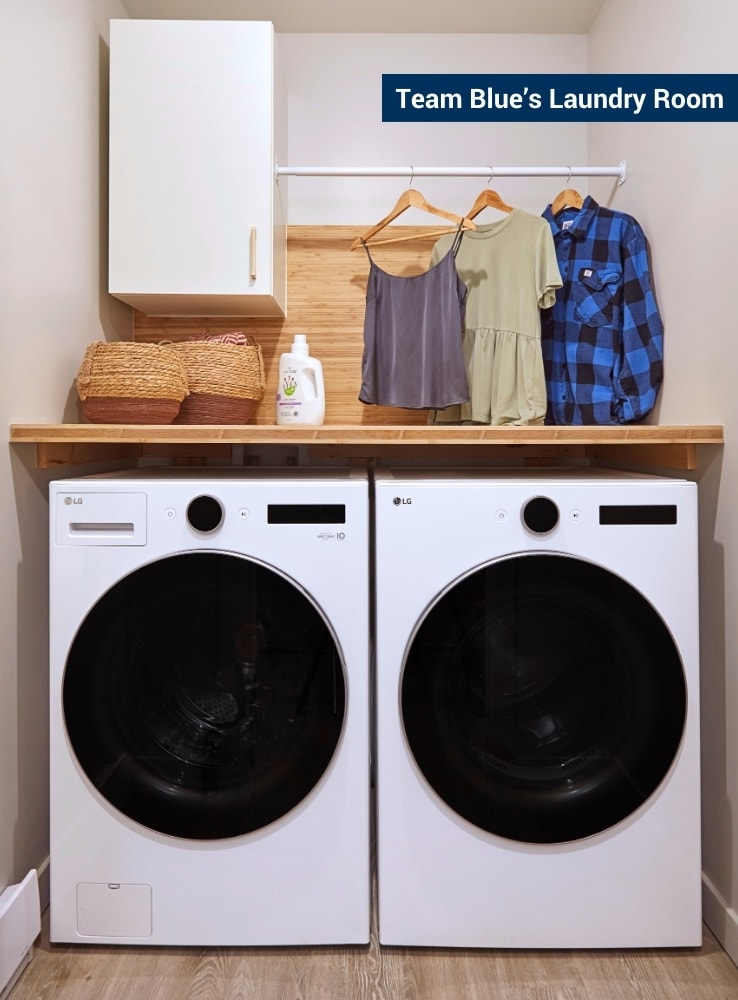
(372, 973)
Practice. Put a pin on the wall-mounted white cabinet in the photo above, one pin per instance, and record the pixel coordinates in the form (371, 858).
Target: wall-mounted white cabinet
(197, 124)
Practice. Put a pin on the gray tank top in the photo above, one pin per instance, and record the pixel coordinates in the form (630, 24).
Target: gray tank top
(413, 327)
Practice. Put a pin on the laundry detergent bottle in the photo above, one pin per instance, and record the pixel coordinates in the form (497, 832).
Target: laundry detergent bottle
(300, 393)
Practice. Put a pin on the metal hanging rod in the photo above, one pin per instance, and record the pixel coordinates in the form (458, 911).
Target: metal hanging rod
(486, 171)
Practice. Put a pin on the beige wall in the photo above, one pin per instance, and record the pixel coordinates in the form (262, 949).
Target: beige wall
(681, 186)
(53, 61)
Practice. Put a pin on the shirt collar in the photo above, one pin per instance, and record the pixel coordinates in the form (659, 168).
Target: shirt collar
(580, 223)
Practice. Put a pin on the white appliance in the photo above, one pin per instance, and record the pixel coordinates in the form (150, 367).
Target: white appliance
(537, 710)
(210, 708)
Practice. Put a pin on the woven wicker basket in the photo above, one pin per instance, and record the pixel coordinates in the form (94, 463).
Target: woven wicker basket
(126, 383)
(226, 382)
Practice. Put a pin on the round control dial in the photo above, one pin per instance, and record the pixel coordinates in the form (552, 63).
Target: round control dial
(540, 515)
(205, 514)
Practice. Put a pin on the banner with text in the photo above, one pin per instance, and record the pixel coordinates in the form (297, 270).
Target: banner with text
(604, 97)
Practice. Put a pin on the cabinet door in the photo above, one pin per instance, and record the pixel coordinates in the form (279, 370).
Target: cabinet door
(192, 185)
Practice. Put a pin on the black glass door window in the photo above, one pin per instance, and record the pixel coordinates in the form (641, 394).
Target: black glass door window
(543, 698)
(204, 696)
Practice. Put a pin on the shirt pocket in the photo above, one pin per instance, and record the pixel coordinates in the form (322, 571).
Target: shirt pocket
(595, 294)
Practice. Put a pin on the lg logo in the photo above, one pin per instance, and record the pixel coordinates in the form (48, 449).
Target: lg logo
(398, 501)
(70, 500)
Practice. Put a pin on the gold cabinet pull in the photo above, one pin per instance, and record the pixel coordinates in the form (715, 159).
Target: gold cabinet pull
(252, 254)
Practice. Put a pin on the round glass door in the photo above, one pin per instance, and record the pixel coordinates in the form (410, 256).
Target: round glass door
(543, 699)
(204, 696)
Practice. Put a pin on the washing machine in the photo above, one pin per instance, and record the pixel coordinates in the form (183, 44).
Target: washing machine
(537, 710)
(210, 708)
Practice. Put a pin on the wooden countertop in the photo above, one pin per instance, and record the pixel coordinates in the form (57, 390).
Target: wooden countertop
(365, 434)
(658, 445)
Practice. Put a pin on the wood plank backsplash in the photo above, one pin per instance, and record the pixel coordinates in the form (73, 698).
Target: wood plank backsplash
(326, 297)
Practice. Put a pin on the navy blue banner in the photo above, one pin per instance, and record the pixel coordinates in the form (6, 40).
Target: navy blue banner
(539, 97)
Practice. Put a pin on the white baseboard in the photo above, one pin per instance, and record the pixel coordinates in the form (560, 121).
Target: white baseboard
(720, 918)
(20, 925)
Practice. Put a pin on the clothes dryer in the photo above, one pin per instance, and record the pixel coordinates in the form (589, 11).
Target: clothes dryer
(210, 708)
(537, 710)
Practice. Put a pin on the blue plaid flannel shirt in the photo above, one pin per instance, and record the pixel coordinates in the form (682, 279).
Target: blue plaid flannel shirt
(602, 340)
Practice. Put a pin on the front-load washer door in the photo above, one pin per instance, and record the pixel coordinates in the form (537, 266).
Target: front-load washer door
(543, 698)
(204, 695)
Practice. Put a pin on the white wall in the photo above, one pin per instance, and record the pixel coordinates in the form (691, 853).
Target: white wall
(334, 85)
(53, 67)
(681, 186)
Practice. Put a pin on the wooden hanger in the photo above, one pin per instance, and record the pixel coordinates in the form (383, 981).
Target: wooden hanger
(488, 199)
(411, 198)
(568, 198)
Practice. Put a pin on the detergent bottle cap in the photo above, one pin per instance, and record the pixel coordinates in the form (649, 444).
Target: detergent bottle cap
(300, 344)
